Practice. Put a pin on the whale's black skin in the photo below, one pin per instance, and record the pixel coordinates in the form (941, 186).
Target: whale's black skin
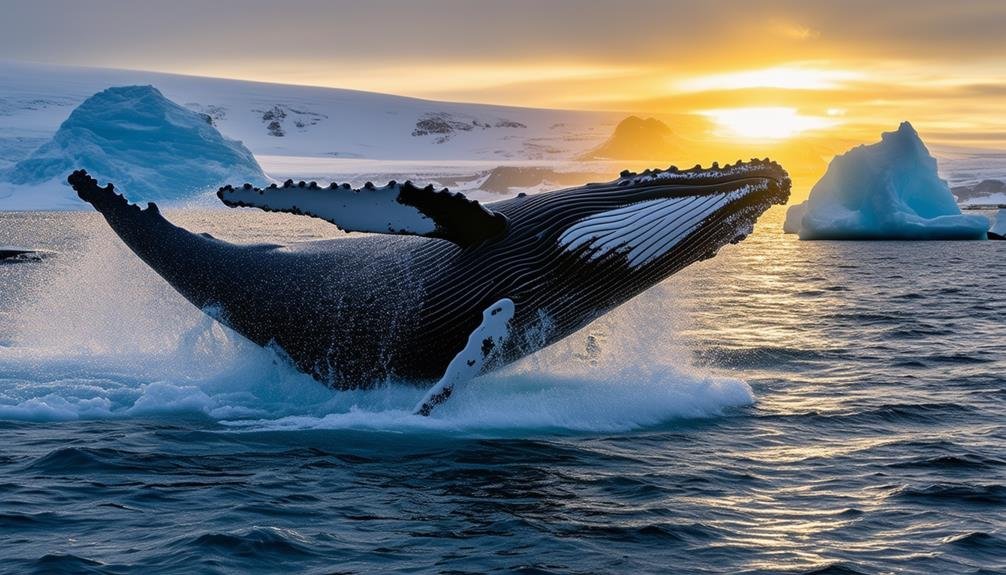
(357, 311)
(13, 254)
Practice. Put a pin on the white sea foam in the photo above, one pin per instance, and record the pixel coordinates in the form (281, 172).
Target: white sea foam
(106, 338)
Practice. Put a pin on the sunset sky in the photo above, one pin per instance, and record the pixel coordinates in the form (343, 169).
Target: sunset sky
(751, 70)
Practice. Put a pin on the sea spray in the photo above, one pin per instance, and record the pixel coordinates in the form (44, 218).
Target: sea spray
(101, 336)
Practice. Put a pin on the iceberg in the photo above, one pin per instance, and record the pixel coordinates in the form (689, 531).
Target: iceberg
(152, 148)
(889, 190)
(794, 218)
(998, 231)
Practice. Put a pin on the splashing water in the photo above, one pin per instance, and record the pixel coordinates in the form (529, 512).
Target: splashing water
(101, 336)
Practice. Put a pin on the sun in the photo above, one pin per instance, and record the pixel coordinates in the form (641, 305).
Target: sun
(767, 123)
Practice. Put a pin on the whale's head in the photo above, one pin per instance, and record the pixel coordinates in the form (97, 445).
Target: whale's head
(618, 238)
(639, 219)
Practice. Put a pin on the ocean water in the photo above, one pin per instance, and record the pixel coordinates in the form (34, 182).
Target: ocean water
(786, 407)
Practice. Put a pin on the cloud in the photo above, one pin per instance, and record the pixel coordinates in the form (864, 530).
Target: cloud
(923, 59)
(186, 32)
(795, 31)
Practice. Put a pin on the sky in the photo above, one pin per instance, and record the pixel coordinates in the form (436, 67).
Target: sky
(768, 70)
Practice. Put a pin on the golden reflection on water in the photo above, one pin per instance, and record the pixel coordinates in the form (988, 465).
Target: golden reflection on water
(762, 311)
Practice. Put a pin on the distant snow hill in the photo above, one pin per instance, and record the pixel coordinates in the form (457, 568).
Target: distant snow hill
(284, 126)
(152, 148)
(637, 139)
(287, 120)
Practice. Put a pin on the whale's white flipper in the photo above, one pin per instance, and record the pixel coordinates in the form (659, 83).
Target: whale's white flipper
(487, 337)
(391, 209)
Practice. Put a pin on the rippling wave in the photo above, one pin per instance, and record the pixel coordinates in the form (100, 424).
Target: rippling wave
(794, 407)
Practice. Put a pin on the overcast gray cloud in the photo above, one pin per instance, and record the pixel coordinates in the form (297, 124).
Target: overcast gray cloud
(182, 33)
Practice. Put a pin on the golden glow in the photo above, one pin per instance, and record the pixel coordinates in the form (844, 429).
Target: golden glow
(800, 112)
(783, 77)
(943, 68)
(449, 81)
(746, 94)
(795, 31)
(768, 123)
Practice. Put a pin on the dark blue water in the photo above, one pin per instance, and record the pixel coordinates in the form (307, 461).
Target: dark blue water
(786, 407)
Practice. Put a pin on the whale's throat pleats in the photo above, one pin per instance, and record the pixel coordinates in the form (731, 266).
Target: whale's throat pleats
(645, 230)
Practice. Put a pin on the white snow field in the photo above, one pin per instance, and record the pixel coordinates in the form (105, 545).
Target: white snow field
(285, 126)
(152, 148)
(983, 193)
(997, 199)
(889, 190)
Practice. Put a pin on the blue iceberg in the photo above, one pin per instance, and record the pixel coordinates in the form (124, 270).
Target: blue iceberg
(152, 148)
(884, 191)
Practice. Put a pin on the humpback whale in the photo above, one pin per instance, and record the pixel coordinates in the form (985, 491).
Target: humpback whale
(442, 288)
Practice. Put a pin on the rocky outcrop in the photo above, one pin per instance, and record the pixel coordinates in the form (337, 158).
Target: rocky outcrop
(637, 139)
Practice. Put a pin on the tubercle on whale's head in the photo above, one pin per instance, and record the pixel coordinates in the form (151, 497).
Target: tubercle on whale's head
(758, 179)
(697, 175)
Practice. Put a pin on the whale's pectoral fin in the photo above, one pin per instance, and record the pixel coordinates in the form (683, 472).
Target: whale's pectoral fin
(482, 345)
(391, 209)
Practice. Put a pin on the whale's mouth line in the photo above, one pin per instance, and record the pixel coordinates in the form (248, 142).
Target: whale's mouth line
(753, 168)
(773, 188)
(671, 183)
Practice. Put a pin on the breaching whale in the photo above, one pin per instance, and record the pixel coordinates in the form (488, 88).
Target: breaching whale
(442, 287)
